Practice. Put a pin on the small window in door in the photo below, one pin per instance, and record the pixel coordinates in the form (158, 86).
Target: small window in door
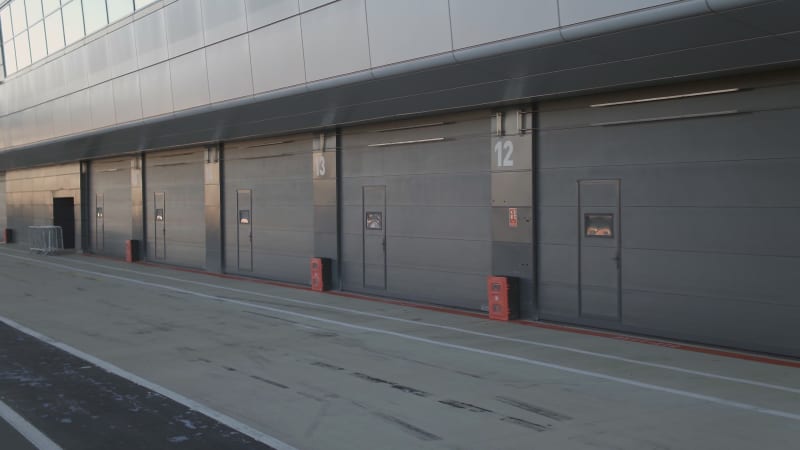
(374, 220)
(244, 216)
(99, 212)
(598, 225)
(159, 215)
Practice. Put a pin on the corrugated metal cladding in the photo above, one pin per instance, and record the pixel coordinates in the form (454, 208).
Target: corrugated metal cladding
(174, 207)
(674, 216)
(269, 210)
(416, 209)
(110, 211)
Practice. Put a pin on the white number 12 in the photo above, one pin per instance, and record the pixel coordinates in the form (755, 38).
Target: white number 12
(504, 159)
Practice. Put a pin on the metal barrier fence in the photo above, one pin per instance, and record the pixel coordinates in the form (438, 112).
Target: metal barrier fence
(46, 240)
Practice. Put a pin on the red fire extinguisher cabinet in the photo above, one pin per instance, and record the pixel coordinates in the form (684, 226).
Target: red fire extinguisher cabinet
(320, 274)
(503, 295)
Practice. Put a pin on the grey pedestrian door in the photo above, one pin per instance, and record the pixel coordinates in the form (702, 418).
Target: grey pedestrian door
(599, 253)
(244, 230)
(99, 222)
(160, 225)
(374, 233)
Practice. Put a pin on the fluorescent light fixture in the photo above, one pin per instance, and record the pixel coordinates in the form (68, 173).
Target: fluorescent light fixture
(668, 97)
(420, 141)
(665, 118)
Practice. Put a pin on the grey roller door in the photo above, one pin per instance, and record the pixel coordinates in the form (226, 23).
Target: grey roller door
(269, 213)
(110, 206)
(707, 214)
(2, 200)
(416, 209)
(174, 212)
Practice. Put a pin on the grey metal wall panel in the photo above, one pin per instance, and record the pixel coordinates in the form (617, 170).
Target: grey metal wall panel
(189, 80)
(184, 22)
(349, 52)
(3, 217)
(229, 72)
(686, 317)
(426, 29)
(44, 121)
(212, 173)
(305, 5)
(261, 13)
(30, 193)
(101, 99)
(477, 21)
(574, 11)
(776, 17)
(5, 131)
(121, 46)
(278, 174)
(223, 19)
(179, 175)
(4, 100)
(708, 203)
(98, 68)
(151, 39)
(76, 69)
(156, 90)
(80, 111)
(110, 179)
(127, 98)
(278, 45)
(430, 188)
(54, 79)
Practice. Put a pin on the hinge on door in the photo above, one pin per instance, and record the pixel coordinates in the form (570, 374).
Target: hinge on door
(499, 131)
(521, 121)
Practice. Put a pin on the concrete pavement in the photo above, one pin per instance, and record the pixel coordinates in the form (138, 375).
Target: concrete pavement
(319, 371)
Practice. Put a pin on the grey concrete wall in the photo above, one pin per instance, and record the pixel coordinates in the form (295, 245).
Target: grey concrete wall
(30, 193)
(110, 188)
(181, 54)
(708, 206)
(437, 218)
(278, 173)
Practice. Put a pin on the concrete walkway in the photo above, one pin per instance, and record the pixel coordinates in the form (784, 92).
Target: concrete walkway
(318, 371)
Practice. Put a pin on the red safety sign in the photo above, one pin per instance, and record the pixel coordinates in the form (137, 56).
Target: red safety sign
(512, 218)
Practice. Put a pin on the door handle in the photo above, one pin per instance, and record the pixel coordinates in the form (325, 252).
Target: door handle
(618, 260)
(383, 243)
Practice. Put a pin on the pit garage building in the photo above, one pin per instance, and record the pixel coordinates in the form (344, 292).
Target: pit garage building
(635, 163)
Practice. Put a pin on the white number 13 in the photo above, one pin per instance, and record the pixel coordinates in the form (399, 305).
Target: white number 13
(504, 150)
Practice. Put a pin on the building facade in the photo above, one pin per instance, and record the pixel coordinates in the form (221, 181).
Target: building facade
(633, 163)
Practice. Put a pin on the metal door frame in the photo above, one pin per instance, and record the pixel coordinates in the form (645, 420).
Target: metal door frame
(364, 237)
(238, 230)
(618, 241)
(99, 221)
(163, 225)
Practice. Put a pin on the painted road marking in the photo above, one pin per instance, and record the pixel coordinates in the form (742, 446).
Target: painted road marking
(31, 433)
(464, 331)
(189, 403)
(677, 392)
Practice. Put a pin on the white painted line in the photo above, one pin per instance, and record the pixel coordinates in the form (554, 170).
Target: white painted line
(529, 361)
(463, 331)
(31, 433)
(189, 403)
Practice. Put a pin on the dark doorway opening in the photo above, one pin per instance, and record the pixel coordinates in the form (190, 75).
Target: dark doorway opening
(64, 217)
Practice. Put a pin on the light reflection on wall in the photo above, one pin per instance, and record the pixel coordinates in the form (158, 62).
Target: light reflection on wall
(33, 29)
